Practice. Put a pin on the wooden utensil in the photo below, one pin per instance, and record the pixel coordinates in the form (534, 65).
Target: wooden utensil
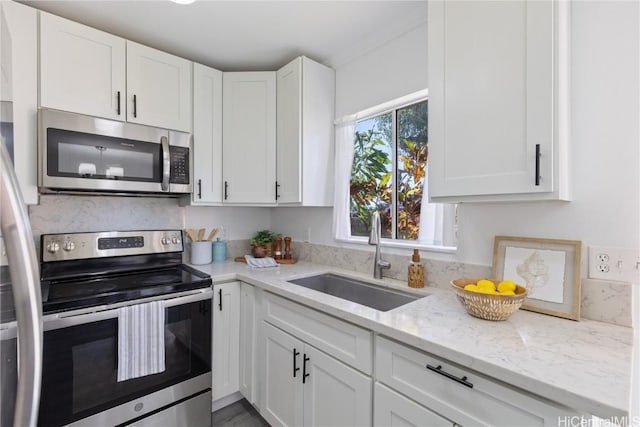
(213, 233)
(200, 234)
(191, 234)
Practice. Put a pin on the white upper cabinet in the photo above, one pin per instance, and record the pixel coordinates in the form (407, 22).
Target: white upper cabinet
(19, 71)
(158, 88)
(498, 125)
(87, 71)
(82, 69)
(207, 136)
(305, 105)
(249, 137)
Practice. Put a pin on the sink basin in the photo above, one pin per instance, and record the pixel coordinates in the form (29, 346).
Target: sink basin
(374, 296)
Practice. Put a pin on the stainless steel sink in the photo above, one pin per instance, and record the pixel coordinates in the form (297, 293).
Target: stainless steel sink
(374, 296)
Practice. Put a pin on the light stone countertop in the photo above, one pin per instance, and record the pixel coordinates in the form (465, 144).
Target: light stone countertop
(584, 365)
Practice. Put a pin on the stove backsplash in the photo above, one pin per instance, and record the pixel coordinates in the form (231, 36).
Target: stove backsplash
(65, 214)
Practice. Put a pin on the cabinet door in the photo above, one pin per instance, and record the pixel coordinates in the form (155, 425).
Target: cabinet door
(226, 341)
(282, 382)
(306, 98)
(391, 409)
(247, 341)
(495, 113)
(20, 86)
(249, 137)
(334, 393)
(289, 132)
(158, 88)
(207, 136)
(82, 69)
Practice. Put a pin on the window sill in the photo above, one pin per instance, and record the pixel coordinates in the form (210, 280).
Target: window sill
(411, 244)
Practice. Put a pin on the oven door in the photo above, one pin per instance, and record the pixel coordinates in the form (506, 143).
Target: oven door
(81, 364)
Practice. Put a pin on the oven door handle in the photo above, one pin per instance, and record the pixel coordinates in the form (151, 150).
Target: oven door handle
(64, 320)
(166, 163)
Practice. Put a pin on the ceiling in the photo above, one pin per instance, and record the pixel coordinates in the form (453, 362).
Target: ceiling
(249, 35)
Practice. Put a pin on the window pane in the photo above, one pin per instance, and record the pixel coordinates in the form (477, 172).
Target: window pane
(371, 176)
(411, 158)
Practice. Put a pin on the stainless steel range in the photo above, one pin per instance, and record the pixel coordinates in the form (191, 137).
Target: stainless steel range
(89, 282)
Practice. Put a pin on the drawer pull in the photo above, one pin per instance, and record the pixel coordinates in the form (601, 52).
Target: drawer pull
(296, 353)
(537, 177)
(438, 369)
(305, 374)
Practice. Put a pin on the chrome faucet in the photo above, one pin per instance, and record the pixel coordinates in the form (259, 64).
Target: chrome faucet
(374, 239)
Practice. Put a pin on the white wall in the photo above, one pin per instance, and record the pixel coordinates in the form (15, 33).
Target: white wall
(605, 151)
(396, 68)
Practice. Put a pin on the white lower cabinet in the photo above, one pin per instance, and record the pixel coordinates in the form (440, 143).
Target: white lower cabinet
(394, 410)
(304, 386)
(248, 346)
(226, 340)
(458, 394)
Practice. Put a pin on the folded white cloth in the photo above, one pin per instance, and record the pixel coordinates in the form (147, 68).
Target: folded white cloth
(261, 262)
(141, 340)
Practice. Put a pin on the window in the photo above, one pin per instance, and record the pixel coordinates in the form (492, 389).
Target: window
(388, 175)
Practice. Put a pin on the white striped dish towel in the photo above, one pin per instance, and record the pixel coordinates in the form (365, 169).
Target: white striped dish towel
(140, 340)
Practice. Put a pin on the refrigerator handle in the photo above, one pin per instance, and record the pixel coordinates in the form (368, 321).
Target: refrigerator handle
(25, 276)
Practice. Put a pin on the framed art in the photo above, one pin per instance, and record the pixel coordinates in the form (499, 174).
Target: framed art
(548, 268)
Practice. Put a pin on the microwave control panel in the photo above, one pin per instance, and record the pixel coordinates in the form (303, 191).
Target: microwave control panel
(179, 173)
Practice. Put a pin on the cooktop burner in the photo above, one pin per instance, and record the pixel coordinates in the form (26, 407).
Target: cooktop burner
(102, 275)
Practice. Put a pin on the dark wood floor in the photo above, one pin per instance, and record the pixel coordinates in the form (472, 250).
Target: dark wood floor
(239, 414)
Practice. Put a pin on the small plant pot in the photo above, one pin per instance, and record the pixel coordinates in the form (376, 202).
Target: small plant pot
(259, 251)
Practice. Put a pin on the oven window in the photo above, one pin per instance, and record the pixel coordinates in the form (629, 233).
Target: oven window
(81, 364)
(81, 155)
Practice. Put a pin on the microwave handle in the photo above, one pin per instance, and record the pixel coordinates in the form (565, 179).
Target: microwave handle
(166, 163)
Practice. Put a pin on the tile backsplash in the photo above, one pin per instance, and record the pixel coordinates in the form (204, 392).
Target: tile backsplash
(67, 214)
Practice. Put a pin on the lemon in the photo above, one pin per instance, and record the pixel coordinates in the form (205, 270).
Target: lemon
(471, 287)
(506, 285)
(486, 285)
(506, 293)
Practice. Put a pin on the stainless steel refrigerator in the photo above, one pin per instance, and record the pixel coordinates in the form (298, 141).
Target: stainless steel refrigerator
(20, 299)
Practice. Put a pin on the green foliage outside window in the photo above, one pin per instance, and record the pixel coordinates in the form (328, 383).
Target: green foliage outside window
(376, 183)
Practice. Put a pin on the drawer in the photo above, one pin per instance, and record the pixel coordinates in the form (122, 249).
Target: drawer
(392, 409)
(465, 397)
(346, 342)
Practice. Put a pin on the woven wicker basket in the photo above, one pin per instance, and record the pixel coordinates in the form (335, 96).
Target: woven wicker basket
(488, 306)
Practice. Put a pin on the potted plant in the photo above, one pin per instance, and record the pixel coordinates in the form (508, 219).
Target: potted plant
(262, 244)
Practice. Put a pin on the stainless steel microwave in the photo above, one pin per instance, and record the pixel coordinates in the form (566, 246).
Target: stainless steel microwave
(85, 154)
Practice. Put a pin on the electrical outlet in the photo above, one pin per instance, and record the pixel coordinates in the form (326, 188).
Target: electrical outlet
(619, 264)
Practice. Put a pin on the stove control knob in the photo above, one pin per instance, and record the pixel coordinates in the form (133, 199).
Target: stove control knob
(53, 247)
(175, 240)
(68, 246)
(165, 240)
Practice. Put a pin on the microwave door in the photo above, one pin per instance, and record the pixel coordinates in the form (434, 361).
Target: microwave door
(83, 153)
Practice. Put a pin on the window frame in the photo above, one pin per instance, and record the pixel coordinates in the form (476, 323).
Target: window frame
(450, 210)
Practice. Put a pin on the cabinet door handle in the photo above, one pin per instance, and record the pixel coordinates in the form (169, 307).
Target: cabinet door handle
(305, 374)
(118, 102)
(199, 189)
(438, 370)
(135, 106)
(220, 299)
(277, 186)
(537, 164)
(296, 353)
(226, 190)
